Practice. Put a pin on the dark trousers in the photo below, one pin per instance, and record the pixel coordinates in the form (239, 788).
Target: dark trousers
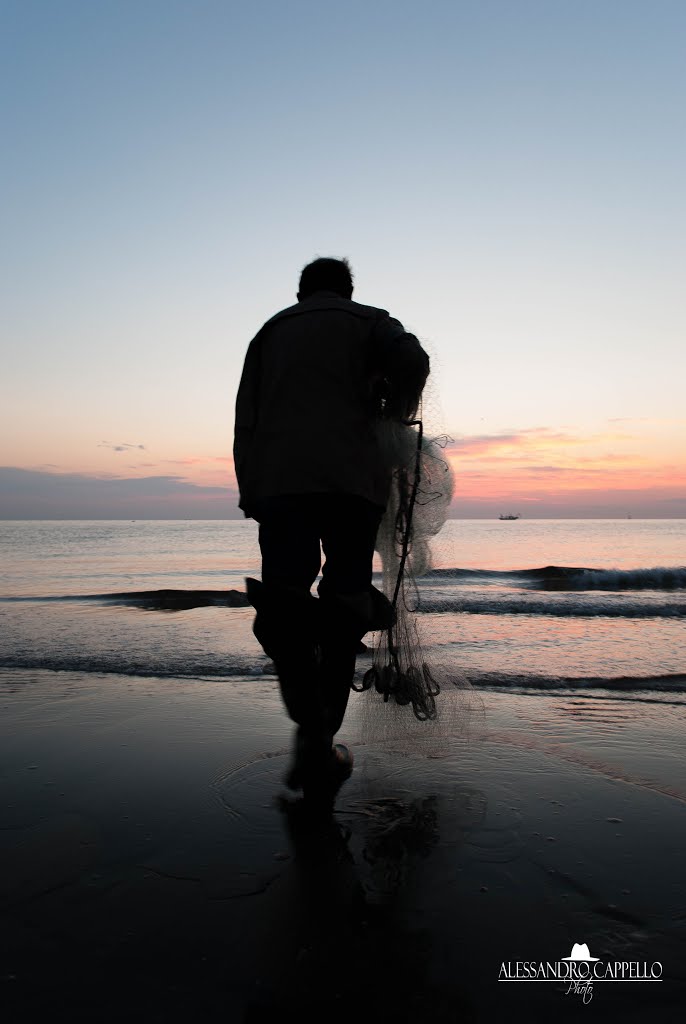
(313, 643)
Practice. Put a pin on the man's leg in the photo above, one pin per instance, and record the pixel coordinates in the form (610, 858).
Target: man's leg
(286, 621)
(348, 530)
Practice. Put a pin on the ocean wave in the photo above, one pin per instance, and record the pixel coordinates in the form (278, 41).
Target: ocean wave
(523, 604)
(547, 577)
(567, 577)
(659, 578)
(669, 683)
(117, 663)
(154, 600)
(188, 669)
(468, 602)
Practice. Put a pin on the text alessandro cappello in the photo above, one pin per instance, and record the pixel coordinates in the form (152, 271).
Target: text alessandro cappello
(579, 970)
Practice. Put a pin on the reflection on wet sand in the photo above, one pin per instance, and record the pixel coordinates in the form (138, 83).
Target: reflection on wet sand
(341, 941)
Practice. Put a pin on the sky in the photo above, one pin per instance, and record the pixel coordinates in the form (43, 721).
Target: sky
(505, 176)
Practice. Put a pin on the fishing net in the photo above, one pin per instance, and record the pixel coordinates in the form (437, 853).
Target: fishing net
(414, 690)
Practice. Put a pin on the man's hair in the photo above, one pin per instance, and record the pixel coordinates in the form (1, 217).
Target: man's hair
(326, 274)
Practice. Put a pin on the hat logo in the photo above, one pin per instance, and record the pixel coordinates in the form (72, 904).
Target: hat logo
(580, 951)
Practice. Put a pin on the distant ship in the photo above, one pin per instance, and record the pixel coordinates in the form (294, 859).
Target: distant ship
(510, 517)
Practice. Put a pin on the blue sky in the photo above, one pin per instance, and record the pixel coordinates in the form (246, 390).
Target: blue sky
(506, 178)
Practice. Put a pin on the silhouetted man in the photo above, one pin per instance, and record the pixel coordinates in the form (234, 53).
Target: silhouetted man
(317, 379)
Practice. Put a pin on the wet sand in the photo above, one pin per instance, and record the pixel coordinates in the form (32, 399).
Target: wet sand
(149, 871)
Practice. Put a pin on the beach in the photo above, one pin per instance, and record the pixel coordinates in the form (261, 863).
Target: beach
(154, 867)
(149, 869)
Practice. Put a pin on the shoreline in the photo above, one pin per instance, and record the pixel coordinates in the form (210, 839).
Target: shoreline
(149, 869)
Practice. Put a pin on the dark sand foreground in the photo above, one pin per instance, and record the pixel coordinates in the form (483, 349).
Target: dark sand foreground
(149, 873)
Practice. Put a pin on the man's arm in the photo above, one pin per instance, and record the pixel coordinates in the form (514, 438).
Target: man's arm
(247, 402)
(402, 365)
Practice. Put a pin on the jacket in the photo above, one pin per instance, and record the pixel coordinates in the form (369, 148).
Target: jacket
(316, 380)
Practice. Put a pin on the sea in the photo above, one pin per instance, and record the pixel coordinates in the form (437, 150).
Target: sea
(530, 605)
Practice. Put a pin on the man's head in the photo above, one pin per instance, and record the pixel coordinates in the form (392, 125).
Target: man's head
(326, 274)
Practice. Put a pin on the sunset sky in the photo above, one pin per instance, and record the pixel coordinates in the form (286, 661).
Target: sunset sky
(506, 177)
